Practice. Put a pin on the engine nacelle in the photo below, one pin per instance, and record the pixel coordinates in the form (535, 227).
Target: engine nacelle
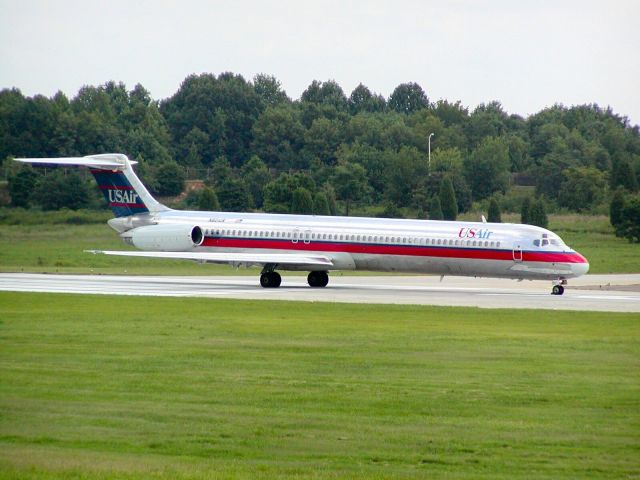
(168, 238)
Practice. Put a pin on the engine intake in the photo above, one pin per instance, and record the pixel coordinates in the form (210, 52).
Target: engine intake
(167, 238)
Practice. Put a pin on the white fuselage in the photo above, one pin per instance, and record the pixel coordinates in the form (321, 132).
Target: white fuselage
(388, 245)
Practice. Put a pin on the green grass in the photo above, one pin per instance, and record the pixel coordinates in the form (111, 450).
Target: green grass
(115, 387)
(59, 248)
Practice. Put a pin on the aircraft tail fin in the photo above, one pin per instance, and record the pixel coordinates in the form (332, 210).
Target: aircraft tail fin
(123, 190)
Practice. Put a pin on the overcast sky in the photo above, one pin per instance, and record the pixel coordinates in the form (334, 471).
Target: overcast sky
(526, 54)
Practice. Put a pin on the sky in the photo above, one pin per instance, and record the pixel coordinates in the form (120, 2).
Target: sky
(528, 55)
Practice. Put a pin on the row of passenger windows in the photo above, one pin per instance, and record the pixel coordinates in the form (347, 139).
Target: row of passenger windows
(341, 237)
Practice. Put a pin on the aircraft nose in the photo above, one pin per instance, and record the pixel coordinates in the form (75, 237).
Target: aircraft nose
(581, 267)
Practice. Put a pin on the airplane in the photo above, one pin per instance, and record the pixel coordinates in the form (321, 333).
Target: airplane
(320, 244)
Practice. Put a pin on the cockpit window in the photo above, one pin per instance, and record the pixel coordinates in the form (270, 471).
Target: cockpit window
(547, 240)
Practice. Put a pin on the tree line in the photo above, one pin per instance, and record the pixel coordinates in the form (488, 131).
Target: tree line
(326, 152)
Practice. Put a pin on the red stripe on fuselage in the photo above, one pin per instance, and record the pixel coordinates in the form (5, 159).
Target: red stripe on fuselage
(407, 250)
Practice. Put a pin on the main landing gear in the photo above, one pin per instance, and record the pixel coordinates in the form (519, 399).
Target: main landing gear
(558, 287)
(318, 279)
(272, 279)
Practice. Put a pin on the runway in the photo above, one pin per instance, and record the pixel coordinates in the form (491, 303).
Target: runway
(608, 293)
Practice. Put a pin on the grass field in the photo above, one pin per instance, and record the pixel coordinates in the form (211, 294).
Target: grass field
(59, 248)
(114, 387)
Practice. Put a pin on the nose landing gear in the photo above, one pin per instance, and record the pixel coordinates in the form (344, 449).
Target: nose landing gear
(558, 287)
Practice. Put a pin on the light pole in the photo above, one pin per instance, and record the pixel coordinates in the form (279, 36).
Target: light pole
(430, 135)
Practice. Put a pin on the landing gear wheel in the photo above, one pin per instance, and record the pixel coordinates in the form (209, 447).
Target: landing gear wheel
(318, 279)
(270, 280)
(557, 290)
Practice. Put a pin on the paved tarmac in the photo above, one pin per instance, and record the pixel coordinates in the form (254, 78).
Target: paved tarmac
(611, 293)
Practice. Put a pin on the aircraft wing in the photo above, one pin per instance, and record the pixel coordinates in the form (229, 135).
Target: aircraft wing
(280, 259)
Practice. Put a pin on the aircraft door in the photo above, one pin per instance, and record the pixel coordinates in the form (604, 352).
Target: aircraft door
(307, 237)
(296, 236)
(517, 252)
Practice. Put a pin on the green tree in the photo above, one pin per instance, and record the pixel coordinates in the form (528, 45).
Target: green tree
(404, 175)
(549, 173)
(582, 189)
(525, 212)
(350, 183)
(233, 195)
(57, 190)
(278, 136)
(494, 211)
(630, 226)
(487, 168)
(451, 113)
(269, 89)
(539, 214)
(391, 210)
(301, 201)
(322, 140)
(169, 179)
(408, 98)
(223, 107)
(623, 175)
(256, 175)
(21, 186)
(616, 208)
(278, 193)
(331, 198)
(487, 120)
(208, 200)
(325, 93)
(448, 199)
(435, 210)
(362, 100)
(321, 204)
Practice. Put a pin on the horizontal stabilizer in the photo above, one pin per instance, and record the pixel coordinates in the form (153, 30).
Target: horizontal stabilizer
(281, 259)
(109, 161)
